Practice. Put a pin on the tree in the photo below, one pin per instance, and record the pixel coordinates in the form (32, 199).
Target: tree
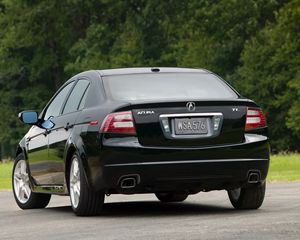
(214, 33)
(34, 43)
(43, 43)
(270, 74)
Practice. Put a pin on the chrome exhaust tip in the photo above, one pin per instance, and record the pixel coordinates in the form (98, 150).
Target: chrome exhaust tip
(254, 177)
(128, 182)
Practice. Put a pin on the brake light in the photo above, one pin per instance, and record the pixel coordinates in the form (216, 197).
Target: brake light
(255, 119)
(119, 122)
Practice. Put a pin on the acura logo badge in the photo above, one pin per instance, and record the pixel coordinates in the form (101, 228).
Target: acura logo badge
(191, 106)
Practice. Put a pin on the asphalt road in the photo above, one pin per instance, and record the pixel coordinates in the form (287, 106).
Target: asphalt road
(201, 216)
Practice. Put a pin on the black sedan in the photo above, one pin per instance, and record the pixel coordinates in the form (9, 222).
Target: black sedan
(168, 131)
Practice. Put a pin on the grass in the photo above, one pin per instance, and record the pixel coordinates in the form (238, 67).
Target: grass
(5, 175)
(283, 167)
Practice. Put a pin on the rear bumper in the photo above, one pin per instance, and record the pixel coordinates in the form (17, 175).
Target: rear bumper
(193, 176)
(170, 169)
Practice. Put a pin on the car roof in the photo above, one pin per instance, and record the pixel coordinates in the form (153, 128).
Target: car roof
(141, 70)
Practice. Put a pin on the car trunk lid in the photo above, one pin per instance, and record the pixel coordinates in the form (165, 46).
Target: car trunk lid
(176, 124)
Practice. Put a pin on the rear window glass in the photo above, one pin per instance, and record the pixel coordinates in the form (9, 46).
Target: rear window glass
(166, 86)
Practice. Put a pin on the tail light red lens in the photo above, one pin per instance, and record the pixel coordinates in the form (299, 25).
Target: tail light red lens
(119, 122)
(255, 119)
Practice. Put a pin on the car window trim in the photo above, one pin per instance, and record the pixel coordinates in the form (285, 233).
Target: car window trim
(85, 91)
(58, 91)
(105, 95)
(65, 102)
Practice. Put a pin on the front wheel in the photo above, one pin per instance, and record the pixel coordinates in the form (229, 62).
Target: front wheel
(249, 197)
(25, 198)
(84, 201)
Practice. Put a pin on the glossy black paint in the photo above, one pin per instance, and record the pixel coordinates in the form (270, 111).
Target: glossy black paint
(162, 164)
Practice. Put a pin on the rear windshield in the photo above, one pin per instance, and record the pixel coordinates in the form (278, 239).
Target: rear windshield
(166, 86)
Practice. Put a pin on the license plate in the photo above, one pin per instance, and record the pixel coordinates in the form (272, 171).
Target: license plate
(190, 126)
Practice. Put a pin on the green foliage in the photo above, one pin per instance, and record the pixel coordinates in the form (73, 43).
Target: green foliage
(270, 74)
(254, 44)
(37, 37)
(11, 103)
(215, 35)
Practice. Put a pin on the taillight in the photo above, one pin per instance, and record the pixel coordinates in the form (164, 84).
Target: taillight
(255, 119)
(119, 122)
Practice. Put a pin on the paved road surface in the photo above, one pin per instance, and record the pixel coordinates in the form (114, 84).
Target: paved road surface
(202, 216)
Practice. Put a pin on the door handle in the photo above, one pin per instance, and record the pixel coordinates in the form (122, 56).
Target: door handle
(68, 126)
(46, 132)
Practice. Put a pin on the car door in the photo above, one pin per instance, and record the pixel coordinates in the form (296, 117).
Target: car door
(37, 152)
(38, 138)
(64, 124)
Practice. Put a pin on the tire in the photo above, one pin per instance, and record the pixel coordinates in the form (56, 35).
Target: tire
(25, 198)
(248, 198)
(171, 197)
(84, 200)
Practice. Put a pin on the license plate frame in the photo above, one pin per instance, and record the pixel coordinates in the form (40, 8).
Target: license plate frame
(191, 126)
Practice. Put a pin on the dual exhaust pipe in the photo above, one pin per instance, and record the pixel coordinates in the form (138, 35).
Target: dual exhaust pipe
(129, 181)
(253, 177)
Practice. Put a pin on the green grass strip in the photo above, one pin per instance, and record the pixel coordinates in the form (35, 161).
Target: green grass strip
(284, 168)
(5, 175)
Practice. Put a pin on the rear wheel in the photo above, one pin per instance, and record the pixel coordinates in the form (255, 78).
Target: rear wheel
(248, 198)
(25, 198)
(171, 197)
(84, 201)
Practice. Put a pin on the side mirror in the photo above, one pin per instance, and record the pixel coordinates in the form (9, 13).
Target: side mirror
(29, 117)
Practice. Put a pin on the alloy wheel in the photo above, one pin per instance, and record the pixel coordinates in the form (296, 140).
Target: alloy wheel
(75, 182)
(21, 182)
